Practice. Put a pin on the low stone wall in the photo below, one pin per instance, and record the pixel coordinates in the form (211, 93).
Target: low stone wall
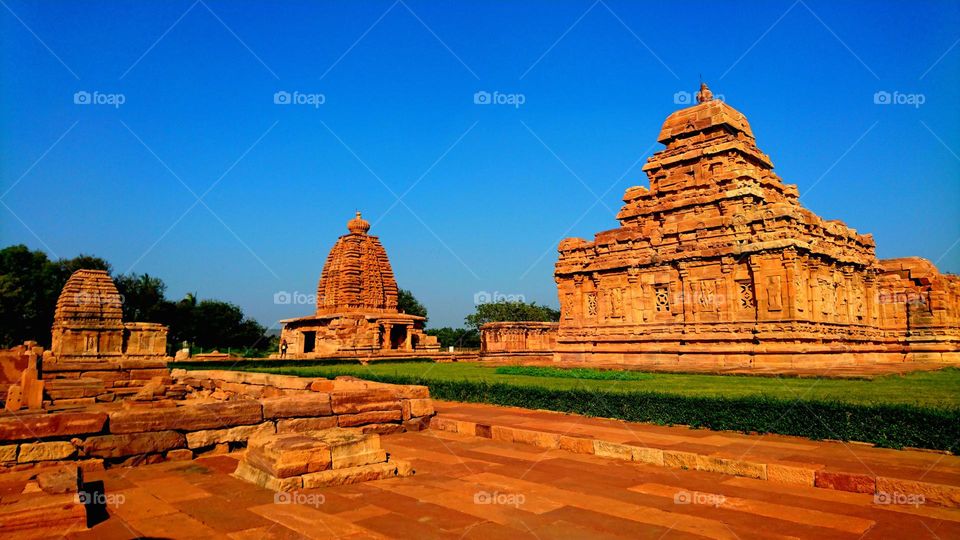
(520, 340)
(222, 410)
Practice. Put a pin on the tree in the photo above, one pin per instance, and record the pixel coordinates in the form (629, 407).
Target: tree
(30, 284)
(510, 311)
(407, 303)
(143, 298)
(467, 338)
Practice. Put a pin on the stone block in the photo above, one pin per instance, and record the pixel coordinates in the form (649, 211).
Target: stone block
(540, 439)
(417, 407)
(199, 439)
(263, 479)
(382, 429)
(8, 453)
(46, 451)
(284, 456)
(841, 481)
(297, 406)
(346, 402)
(42, 426)
(680, 460)
(733, 467)
(60, 480)
(613, 450)
(925, 492)
(353, 475)
(445, 424)
(651, 456)
(180, 454)
(373, 417)
(112, 446)
(188, 417)
(577, 445)
(787, 474)
(299, 425)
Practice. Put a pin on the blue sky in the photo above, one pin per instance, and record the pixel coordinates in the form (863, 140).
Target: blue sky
(486, 191)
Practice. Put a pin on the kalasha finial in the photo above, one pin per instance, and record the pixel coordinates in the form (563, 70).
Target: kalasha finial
(704, 94)
(358, 225)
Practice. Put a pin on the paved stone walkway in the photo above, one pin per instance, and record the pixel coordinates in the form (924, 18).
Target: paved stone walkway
(470, 487)
(830, 464)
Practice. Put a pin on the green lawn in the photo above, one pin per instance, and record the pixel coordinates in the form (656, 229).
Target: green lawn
(939, 389)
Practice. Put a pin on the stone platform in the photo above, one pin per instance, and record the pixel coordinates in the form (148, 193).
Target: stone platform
(313, 459)
(469, 487)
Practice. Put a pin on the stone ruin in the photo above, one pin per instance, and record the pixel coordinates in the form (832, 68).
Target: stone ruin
(718, 263)
(356, 306)
(103, 397)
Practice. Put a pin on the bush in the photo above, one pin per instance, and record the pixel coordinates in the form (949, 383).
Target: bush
(574, 373)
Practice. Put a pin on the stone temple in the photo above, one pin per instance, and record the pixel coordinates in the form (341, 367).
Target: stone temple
(718, 262)
(356, 305)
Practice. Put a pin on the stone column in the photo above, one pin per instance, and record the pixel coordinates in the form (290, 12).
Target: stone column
(408, 339)
(387, 327)
(731, 299)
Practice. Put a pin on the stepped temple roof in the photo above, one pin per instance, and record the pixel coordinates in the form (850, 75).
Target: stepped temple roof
(357, 275)
(89, 298)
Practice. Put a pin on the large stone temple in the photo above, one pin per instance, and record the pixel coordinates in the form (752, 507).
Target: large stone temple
(718, 262)
(356, 305)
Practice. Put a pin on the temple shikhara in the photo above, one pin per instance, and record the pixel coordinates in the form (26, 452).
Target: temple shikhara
(356, 305)
(718, 262)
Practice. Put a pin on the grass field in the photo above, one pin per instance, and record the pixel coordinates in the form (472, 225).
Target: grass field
(930, 389)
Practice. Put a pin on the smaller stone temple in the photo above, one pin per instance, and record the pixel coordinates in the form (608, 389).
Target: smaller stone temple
(88, 323)
(356, 305)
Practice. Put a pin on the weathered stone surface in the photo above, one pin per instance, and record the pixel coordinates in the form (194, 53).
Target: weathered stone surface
(61, 480)
(786, 474)
(417, 407)
(302, 405)
(188, 417)
(41, 426)
(353, 475)
(352, 401)
(264, 479)
(180, 454)
(199, 439)
(613, 450)
(112, 446)
(382, 429)
(652, 456)
(679, 459)
(735, 467)
(374, 417)
(249, 378)
(287, 455)
(857, 483)
(46, 451)
(8, 453)
(299, 425)
(923, 492)
(577, 445)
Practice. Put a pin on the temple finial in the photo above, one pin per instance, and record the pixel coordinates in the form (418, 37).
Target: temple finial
(704, 94)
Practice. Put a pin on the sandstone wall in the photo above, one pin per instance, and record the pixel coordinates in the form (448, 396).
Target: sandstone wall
(222, 410)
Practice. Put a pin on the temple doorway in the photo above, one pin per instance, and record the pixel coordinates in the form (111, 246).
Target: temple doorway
(309, 341)
(398, 335)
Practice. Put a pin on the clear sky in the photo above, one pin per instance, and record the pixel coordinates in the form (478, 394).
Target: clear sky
(467, 198)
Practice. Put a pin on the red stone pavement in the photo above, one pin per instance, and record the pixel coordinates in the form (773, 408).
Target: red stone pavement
(817, 457)
(470, 487)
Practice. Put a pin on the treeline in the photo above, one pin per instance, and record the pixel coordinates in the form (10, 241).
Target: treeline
(30, 284)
